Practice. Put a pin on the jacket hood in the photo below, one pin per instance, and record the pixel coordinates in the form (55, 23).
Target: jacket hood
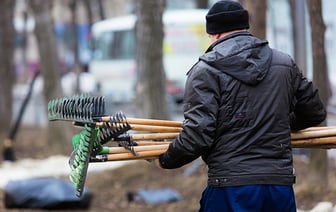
(240, 55)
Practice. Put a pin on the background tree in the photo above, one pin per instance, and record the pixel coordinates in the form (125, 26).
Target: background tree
(101, 9)
(74, 41)
(257, 12)
(298, 12)
(7, 35)
(202, 4)
(150, 86)
(89, 14)
(318, 164)
(58, 138)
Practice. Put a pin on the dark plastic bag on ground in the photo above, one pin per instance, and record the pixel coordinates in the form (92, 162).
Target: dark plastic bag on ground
(154, 196)
(44, 193)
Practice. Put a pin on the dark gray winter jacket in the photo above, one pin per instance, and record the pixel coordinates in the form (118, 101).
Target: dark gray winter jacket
(242, 100)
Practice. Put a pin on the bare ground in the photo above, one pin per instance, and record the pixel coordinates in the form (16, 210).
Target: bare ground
(110, 187)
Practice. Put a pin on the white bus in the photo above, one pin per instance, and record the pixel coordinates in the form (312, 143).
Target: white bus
(113, 64)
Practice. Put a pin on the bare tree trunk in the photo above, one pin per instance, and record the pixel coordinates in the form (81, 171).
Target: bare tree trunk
(101, 9)
(257, 11)
(74, 42)
(88, 8)
(7, 35)
(24, 39)
(202, 4)
(318, 166)
(298, 11)
(87, 5)
(44, 31)
(150, 88)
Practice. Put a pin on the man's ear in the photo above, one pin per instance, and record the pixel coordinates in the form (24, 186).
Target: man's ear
(217, 36)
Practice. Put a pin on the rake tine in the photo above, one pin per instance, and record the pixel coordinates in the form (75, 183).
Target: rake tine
(67, 106)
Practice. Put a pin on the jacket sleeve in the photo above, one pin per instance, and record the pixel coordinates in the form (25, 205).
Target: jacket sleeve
(308, 108)
(200, 110)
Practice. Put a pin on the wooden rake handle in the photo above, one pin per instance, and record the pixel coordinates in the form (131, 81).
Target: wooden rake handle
(323, 143)
(154, 136)
(154, 122)
(146, 143)
(149, 128)
(313, 133)
(150, 154)
(117, 150)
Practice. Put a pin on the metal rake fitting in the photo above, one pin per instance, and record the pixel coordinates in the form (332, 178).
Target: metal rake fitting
(115, 127)
(127, 144)
(81, 108)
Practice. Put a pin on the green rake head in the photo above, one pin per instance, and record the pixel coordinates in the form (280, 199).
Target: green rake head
(87, 144)
(84, 145)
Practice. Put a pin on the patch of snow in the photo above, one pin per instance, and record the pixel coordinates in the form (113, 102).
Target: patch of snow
(54, 166)
(323, 207)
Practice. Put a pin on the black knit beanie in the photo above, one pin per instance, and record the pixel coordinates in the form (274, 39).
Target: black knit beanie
(225, 16)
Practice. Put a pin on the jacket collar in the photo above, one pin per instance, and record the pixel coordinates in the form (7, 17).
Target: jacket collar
(235, 34)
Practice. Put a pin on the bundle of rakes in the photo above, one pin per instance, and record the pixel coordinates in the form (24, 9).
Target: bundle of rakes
(135, 138)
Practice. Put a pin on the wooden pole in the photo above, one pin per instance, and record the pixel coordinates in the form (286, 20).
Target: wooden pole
(156, 122)
(117, 150)
(313, 133)
(151, 154)
(154, 136)
(147, 128)
(324, 143)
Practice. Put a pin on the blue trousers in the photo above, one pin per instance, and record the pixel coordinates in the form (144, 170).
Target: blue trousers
(249, 198)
